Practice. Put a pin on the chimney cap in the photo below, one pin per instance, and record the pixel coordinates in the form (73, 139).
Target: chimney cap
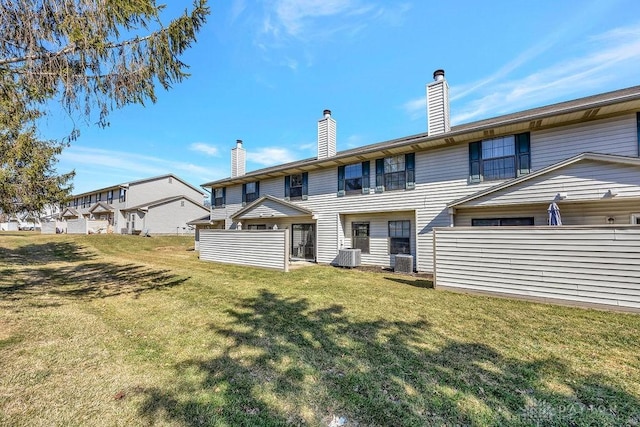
(239, 142)
(438, 75)
(326, 113)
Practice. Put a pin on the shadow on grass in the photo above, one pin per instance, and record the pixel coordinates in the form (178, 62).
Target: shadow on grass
(284, 363)
(62, 269)
(45, 253)
(418, 283)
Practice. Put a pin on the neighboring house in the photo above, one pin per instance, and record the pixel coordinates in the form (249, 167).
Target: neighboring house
(387, 198)
(158, 205)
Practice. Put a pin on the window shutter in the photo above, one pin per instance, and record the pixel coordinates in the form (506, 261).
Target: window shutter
(244, 194)
(305, 185)
(287, 187)
(365, 178)
(340, 180)
(213, 198)
(523, 153)
(379, 175)
(475, 150)
(224, 196)
(410, 167)
(257, 189)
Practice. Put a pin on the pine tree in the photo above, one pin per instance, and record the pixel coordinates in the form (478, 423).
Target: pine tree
(94, 55)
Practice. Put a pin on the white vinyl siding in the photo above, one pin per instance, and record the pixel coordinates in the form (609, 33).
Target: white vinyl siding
(584, 265)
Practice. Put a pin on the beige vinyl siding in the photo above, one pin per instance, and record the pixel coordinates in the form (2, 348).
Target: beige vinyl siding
(379, 235)
(77, 226)
(585, 265)
(272, 187)
(584, 180)
(617, 135)
(572, 213)
(270, 209)
(264, 248)
(442, 177)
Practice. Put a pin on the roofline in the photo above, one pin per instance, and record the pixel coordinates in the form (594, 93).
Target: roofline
(525, 116)
(139, 181)
(610, 158)
(162, 201)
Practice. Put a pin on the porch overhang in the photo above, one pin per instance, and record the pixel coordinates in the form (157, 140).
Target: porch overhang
(271, 207)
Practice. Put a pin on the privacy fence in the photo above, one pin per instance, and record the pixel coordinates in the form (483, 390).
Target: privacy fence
(257, 248)
(584, 265)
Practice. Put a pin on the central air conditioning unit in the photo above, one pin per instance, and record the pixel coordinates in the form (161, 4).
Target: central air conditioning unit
(349, 257)
(404, 264)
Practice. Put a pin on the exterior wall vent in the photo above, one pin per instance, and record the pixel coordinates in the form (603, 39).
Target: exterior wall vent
(349, 257)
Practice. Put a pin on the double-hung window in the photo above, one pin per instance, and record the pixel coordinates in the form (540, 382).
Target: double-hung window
(250, 192)
(400, 237)
(360, 236)
(396, 172)
(296, 187)
(218, 196)
(353, 178)
(122, 197)
(110, 196)
(99, 197)
(499, 158)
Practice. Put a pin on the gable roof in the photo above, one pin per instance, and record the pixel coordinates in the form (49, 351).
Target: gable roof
(146, 206)
(136, 182)
(100, 207)
(290, 206)
(579, 110)
(609, 158)
(69, 211)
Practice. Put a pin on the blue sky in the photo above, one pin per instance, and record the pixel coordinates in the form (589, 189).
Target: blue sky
(263, 72)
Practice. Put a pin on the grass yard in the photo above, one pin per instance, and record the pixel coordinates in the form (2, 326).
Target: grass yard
(125, 330)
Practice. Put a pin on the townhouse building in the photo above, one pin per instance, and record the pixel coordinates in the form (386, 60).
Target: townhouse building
(387, 198)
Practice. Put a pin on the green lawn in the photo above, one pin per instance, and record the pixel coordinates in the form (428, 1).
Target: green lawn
(126, 330)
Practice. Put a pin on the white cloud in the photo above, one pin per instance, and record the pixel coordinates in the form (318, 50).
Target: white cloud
(207, 149)
(416, 108)
(271, 156)
(616, 53)
(96, 167)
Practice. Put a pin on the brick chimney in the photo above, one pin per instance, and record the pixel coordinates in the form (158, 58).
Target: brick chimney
(326, 136)
(438, 104)
(238, 160)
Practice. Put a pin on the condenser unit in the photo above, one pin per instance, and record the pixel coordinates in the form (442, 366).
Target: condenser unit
(404, 264)
(349, 257)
